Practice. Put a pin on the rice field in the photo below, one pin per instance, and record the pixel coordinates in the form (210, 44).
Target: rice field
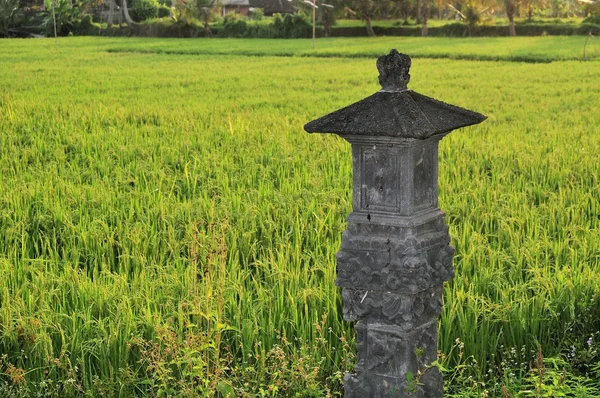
(167, 228)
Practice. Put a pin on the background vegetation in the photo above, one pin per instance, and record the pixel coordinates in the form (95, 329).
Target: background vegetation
(193, 18)
(168, 229)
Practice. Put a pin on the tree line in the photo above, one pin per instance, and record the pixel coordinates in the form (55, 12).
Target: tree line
(61, 17)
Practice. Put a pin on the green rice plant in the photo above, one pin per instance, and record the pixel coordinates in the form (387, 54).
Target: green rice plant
(167, 227)
(541, 49)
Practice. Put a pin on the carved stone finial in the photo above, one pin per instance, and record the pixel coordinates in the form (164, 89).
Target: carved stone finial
(393, 71)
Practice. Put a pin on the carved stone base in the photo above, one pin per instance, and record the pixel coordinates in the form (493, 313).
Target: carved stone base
(392, 279)
(395, 361)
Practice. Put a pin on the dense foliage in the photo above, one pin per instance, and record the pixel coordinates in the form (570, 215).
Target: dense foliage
(64, 17)
(144, 9)
(10, 16)
(192, 18)
(175, 233)
(593, 19)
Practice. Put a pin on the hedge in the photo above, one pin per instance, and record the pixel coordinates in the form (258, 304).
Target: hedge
(458, 29)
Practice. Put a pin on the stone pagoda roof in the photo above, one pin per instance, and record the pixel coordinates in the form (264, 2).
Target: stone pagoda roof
(395, 110)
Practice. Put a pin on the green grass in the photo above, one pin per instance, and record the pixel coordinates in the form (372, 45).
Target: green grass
(521, 49)
(530, 49)
(167, 227)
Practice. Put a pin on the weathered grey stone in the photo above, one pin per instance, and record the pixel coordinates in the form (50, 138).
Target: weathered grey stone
(395, 111)
(395, 254)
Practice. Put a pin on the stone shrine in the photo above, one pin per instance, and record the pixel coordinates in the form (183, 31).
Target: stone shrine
(395, 254)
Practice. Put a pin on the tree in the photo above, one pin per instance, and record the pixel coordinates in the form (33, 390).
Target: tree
(111, 11)
(472, 16)
(424, 16)
(327, 18)
(511, 7)
(128, 19)
(62, 17)
(205, 13)
(405, 8)
(366, 10)
(591, 9)
(185, 11)
(528, 5)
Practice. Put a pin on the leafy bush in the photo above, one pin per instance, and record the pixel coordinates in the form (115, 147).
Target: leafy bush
(292, 26)
(594, 18)
(461, 29)
(144, 9)
(234, 25)
(71, 19)
(66, 15)
(10, 16)
(258, 14)
(456, 29)
(301, 25)
(587, 28)
(231, 17)
(164, 11)
(473, 16)
(278, 23)
(85, 26)
(262, 29)
(234, 28)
